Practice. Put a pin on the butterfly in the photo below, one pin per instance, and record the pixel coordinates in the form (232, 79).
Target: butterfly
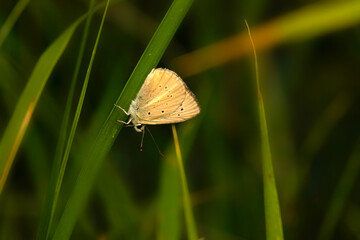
(164, 98)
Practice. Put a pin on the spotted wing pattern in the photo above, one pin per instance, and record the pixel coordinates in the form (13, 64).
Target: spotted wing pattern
(164, 98)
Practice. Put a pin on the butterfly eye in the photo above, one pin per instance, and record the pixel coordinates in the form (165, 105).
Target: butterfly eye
(139, 126)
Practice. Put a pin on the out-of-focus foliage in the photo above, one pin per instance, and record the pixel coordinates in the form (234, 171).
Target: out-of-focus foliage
(309, 58)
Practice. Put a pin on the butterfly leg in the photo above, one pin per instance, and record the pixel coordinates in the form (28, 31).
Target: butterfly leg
(122, 109)
(125, 122)
(125, 113)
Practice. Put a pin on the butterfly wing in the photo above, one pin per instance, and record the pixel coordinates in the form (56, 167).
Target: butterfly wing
(164, 98)
(187, 110)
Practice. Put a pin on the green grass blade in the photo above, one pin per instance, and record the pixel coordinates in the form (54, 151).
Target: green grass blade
(189, 216)
(77, 112)
(57, 176)
(274, 229)
(341, 194)
(169, 196)
(111, 127)
(23, 111)
(11, 20)
(82, 96)
(169, 201)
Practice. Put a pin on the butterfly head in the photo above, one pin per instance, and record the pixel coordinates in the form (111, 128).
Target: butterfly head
(139, 127)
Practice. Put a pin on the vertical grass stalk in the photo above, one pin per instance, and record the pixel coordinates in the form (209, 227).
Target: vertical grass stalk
(274, 229)
(58, 165)
(189, 216)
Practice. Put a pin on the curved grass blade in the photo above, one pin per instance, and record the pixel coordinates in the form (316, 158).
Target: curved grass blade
(274, 229)
(102, 144)
(24, 109)
(189, 216)
(11, 20)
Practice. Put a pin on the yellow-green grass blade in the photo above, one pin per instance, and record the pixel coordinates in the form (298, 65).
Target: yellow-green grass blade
(189, 216)
(273, 221)
(108, 132)
(169, 199)
(341, 194)
(11, 20)
(9, 86)
(24, 109)
(169, 196)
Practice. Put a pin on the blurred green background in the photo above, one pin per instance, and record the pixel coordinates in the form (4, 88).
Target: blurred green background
(309, 66)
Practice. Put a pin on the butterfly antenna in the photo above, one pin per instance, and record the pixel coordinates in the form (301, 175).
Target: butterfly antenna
(155, 142)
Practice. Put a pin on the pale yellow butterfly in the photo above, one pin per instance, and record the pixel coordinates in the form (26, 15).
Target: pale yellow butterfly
(163, 98)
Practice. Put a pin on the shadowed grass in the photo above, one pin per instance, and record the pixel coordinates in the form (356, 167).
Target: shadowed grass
(311, 116)
(272, 208)
(119, 206)
(111, 127)
(21, 117)
(169, 200)
(11, 20)
(308, 22)
(61, 157)
(341, 194)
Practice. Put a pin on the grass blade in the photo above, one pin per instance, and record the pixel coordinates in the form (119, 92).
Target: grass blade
(169, 201)
(274, 229)
(57, 176)
(11, 20)
(111, 127)
(23, 111)
(189, 216)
